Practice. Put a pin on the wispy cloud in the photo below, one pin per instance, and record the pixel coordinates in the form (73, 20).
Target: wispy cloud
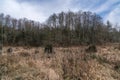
(20, 10)
(40, 10)
(114, 15)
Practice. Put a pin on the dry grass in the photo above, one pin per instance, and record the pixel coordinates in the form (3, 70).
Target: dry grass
(66, 64)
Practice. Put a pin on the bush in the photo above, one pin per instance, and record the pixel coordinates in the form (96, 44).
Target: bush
(36, 51)
(117, 66)
(119, 47)
(48, 48)
(9, 50)
(91, 48)
(0, 49)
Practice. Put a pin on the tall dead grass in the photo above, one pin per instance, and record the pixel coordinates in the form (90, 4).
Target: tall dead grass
(66, 64)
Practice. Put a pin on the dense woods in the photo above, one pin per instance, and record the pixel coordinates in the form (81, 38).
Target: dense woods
(62, 29)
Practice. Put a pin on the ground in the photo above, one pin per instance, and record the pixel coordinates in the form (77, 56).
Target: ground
(72, 63)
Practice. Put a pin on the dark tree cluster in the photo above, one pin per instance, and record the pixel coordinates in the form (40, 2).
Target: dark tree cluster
(62, 29)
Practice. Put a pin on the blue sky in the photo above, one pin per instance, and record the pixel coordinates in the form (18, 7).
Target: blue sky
(40, 10)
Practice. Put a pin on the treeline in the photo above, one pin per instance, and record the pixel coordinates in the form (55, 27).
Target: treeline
(62, 29)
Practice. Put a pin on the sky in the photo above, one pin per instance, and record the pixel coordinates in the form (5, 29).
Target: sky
(40, 10)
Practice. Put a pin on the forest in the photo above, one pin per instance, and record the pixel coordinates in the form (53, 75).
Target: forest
(60, 29)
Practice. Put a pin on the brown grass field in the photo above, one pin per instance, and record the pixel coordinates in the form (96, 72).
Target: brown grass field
(73, 63)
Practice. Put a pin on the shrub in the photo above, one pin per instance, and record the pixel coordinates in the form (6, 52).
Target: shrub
(119, 47)
(36, 51)
(9, 50)
(0, 51)
(117, 66)
(48, 48)
(91, 48)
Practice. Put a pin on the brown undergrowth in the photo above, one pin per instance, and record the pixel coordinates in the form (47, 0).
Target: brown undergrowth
(71, 63)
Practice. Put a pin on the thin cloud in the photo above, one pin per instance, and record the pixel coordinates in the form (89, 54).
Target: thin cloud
(107, 5)
(40, 10)
(20, 10)
(114, 16)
